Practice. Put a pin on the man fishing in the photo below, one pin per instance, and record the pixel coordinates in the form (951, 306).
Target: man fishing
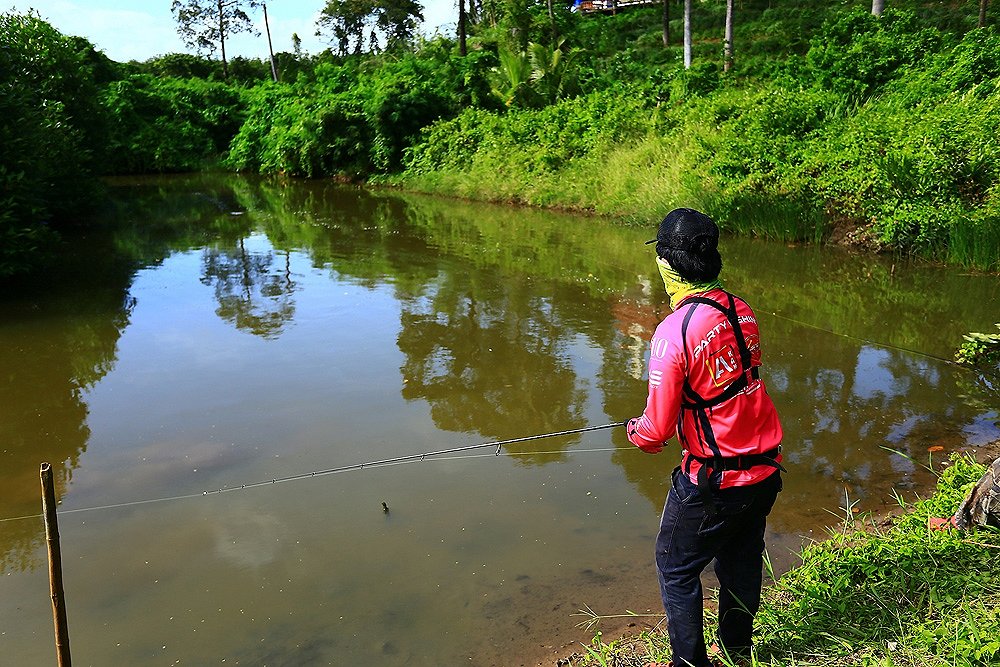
(705, 387)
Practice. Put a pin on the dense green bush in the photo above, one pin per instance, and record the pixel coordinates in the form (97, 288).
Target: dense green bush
(920, 163)
(181, 66)
(51, 132)
(539, 140)
(356, 119)
(858, 53)
(169, 124)
(289, 131)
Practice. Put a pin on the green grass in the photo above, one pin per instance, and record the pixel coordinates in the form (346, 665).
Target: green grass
(872, 594)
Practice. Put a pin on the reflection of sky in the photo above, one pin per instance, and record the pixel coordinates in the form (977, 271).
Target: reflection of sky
(872, 376)
(984, 429)
(829, 386)
(899, 431)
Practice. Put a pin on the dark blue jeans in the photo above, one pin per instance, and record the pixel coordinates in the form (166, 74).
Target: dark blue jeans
(691, 535)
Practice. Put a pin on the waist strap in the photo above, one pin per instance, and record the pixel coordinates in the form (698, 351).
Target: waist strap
(741, 462)
(722, 463)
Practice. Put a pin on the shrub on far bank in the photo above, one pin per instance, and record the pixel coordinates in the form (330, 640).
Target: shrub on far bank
(50, 135)
(356, 118)
(168, 125)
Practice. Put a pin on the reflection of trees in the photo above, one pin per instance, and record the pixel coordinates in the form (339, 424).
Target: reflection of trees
(840, 401)
(57, 340)
(462, 272)
(254, 292)
(489, 358)
(60, 329)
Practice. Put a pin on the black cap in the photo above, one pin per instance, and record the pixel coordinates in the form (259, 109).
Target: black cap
(684, 229)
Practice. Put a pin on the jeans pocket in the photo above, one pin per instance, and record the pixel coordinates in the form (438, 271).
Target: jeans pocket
(687, 492)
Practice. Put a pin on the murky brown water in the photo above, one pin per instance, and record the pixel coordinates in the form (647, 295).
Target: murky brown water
(222, 331)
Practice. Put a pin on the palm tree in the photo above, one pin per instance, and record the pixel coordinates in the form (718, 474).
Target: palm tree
(512, 79)
(552, 71)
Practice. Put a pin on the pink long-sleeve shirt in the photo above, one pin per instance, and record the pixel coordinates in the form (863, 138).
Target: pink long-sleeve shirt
(708, 357)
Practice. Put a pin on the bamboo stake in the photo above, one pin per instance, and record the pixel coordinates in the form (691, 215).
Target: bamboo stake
(55, 566)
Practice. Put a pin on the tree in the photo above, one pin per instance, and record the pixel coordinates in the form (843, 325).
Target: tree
(205, 24)
(397, 19)
(877, 7)
(462, 50)
(727, 44)
(270, 48)
(346, 20)
(666, 22)
(52, 135)
(982, 13)
(687, 34)
(553, 71)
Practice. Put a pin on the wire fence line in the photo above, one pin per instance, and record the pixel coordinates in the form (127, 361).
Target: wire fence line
(437, 455)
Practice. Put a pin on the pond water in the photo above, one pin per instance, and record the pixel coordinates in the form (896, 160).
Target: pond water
(215, 331)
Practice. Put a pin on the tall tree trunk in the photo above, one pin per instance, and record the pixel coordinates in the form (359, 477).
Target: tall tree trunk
(666, 22)
(552, 22)
(877, 7)
(982, 12)
(461, 28)
(270, 48)
(614, 6)
(727, 44)
(222, 42)
(687, 34)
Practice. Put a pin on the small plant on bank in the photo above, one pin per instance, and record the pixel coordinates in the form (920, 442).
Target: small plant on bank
(980, 349)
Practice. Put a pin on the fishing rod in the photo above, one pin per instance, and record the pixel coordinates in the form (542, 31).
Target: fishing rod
(499, 444)
(888, 346)
(396, 460)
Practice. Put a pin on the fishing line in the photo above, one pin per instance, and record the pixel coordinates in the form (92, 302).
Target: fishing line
(868, 342)
(499, 444)
(381, 463)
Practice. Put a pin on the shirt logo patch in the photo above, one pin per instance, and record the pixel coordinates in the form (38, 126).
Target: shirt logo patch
(723, 366)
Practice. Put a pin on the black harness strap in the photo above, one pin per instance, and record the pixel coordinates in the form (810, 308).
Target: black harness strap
(701, 406)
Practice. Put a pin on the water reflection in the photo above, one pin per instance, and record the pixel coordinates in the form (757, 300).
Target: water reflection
(383, 324)
(57, 338)
(254, 289)
(489, 357)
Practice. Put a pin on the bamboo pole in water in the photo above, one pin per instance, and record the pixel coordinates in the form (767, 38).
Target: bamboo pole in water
(55, 566)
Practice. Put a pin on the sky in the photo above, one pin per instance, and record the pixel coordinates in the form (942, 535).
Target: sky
(141, 29)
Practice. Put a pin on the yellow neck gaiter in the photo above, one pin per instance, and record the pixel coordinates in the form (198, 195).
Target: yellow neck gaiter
(679, 289)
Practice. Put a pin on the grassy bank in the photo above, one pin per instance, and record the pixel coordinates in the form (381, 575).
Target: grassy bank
(874, 593)
(833, 124)
(883, 133)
